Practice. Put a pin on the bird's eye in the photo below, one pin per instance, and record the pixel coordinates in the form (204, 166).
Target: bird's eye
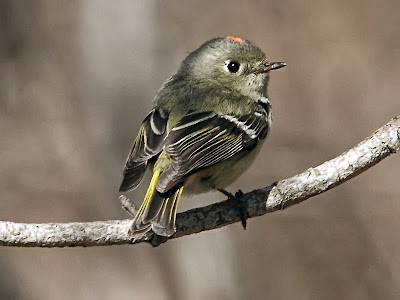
(233, 66)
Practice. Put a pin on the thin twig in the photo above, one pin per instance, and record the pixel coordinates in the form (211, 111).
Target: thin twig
(382, 143)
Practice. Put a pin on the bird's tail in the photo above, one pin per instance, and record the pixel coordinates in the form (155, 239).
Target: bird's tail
(158, 211)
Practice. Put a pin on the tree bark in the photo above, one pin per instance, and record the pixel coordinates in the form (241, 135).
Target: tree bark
(282, 194)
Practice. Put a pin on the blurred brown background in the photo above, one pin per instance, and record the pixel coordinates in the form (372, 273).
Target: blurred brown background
(78, 77)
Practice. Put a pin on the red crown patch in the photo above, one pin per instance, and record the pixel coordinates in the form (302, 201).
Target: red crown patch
(235, 39)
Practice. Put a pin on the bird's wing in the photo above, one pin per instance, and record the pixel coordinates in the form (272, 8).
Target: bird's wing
(200, 140)
(149, 143)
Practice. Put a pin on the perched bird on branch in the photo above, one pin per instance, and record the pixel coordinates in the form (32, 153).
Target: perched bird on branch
(208, 124)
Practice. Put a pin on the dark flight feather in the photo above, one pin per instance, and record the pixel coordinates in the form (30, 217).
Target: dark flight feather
(203, 139)
(149, 143)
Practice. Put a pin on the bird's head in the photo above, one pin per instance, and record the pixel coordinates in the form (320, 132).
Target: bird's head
(233, 63)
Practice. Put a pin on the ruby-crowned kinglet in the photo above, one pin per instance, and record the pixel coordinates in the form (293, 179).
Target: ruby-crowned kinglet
(208, 124)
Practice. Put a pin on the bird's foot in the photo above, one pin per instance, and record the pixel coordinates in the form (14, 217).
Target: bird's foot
(238, 203)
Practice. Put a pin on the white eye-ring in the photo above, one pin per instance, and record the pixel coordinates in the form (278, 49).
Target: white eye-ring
(232, 66)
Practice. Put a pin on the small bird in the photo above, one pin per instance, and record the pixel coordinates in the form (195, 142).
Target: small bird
(208, 124)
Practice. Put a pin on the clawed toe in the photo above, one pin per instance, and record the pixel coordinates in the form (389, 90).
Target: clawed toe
(239, 204)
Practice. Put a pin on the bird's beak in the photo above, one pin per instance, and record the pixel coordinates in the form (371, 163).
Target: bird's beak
(268, 66)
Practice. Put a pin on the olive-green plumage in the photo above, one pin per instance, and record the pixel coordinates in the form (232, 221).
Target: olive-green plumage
(208, 123)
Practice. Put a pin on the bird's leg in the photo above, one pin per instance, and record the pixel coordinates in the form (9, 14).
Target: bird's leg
(239, 204)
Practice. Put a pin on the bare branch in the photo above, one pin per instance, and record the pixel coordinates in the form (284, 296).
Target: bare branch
(282, 194)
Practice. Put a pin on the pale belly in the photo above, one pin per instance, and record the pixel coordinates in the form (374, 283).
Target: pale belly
(221, 175)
